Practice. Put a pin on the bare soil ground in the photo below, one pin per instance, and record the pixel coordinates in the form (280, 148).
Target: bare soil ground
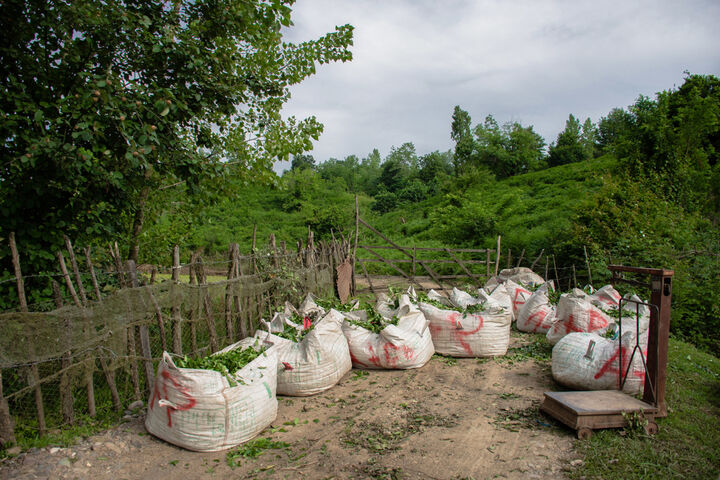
(451, 419)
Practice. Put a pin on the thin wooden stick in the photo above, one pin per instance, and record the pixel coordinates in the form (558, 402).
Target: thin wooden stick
(532, 267)
(557, 277)
(144, 335)
(254, 253)
(522, 255)
(158, 317)
(76, 271)
(497, 256)
(574, 277)
(357, 234)
(66, 396)
(487, 264)
(34, 374)
(91, 269)
(462, 265)
(372, 289)
(68, 282)
(509, 258)
(118, 265)
(202, 283)
(229, 331)
(174, 309)
(587, 262)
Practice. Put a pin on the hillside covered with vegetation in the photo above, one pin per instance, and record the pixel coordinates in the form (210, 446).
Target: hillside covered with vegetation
(165, 131)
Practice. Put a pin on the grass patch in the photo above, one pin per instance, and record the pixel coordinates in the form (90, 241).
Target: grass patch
(688, 442)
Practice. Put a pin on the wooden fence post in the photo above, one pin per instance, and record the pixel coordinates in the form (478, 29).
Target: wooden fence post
(202, 284)
(66, 396)
(91, 269)
(144, 335)
(229, 330)
(34, 374)
(587, 263)
(354, 252)
(76, 271)
(497, 255)
(532, 267)
(522, 255)
(254, 260)
(175, 309)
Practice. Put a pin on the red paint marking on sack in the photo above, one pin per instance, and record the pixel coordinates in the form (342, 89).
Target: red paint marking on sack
(181, 388)
(610, 366)
(287, 366)
(459, 333)
(307, 323)
(355, 361)
(390, 352)
(518, 291)
(435, 330)
(408, 352)
(537, 319)
(373, 358)
(596, 322)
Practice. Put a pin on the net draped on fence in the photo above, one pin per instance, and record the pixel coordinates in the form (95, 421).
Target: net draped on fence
(77, 361)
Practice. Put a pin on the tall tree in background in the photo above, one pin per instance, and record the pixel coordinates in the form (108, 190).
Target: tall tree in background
(303, 161)
(461, 133)
(105, 103)
(568, 148)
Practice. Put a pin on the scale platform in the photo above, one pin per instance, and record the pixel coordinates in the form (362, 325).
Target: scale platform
(587, 411)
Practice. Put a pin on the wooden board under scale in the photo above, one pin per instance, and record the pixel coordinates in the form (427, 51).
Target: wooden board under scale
(593, 410)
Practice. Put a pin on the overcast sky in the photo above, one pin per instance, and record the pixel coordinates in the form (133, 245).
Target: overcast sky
(533, 61)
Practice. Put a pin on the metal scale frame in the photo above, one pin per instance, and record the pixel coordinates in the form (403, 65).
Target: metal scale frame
(585, 411)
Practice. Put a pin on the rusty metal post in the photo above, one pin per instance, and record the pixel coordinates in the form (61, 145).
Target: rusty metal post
(661, 285)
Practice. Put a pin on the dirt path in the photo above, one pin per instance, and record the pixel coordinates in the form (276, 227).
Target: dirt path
(451, 419)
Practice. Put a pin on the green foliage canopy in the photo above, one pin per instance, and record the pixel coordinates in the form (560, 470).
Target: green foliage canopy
(105, 103)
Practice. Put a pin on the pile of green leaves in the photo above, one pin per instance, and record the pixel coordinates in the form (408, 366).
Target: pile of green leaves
(375, 322)
(226, 363)
(293, 334)
(252, 449)
(330, 303)
(470, 309)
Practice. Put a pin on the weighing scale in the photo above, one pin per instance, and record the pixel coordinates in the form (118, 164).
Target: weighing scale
(590, 410)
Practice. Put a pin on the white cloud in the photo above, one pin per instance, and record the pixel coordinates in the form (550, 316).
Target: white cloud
(529, 61)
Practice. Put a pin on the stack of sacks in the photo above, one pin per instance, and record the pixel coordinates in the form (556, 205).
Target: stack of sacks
(537, 314)
(205, 410)
(466, 326)
(579, 312)
(589, 361)
(398, 338)
(315, 356)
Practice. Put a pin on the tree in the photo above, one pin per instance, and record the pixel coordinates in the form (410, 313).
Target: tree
(105, 104)
(464, 142)
(569, 147)
(300, 162)
(508, 150)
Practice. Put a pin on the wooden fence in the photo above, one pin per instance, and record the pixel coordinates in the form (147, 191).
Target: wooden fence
(96, 351)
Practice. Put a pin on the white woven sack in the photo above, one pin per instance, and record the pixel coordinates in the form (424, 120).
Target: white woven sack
(199, 410)
(588, 361)
(522, 275)
(518, 296)
(537, 314)
(468, 335)
(496, 297)
(606, 297)
(574, 314)
(316, 363)
(405, 345)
